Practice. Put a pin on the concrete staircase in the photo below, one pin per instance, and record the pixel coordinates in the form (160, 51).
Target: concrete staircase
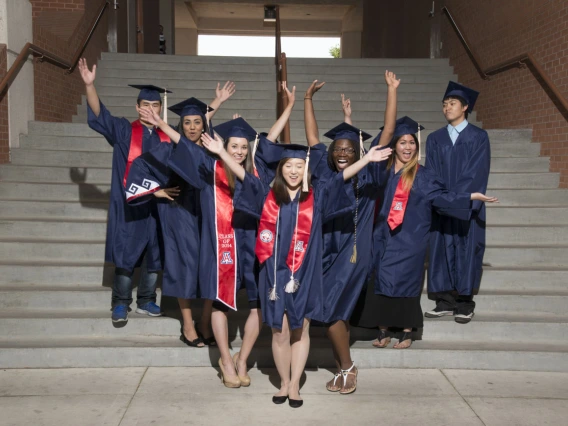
(54, 294)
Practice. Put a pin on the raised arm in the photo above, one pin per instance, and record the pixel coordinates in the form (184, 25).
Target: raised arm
(374, 155)
(277, 128)
(88, 77)
(390, 111)
(310, 123)
(151, 117)
(346, 106)
(221, 96)
(216, 147)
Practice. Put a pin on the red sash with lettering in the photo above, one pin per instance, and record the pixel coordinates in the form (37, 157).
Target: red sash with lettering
(267, 231)
(226, 239)
(136, 145)
(398, 206)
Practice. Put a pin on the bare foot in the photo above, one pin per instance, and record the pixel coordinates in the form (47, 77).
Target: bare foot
(241, 366)
(283, 391)
(403, 344)
(229, 368)
(350, 383)
(294, 392)
(334, 385)
(383, 343)
(190, 334)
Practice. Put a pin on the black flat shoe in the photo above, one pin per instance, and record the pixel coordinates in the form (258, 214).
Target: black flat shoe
(279, 399)
(295, 403)
(193, 343)
(208, 341)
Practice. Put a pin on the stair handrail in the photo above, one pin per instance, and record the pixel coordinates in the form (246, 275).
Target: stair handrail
(521, 61)
(281, 75)
(44, 55)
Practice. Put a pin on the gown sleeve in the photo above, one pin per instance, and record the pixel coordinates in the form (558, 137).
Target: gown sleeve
(334, 198)
(445, 202)
(250, 195)
(115, 130)
(431, 157)
(319, 168)
(266, 159)
(191, 163)
(148, 173)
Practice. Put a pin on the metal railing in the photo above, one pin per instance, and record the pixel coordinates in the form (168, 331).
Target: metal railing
(43, 55)
(526, 60)
(281, 75)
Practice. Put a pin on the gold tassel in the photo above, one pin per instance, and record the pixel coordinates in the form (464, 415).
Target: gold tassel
(361, 146)
(305, 187)
(419, 144)
(165, 105)
(354, 255)
(254, 148)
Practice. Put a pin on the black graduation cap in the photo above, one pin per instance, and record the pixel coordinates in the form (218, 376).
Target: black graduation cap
(191, 106)
(294, 151)
(238, 128)
(406, 126)
(347, 131)
(149, 92)
(467, 94)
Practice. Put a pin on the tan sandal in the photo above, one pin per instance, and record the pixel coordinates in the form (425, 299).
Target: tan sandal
(230, 383)
(344, 374)
(245, 380)
(333, 387)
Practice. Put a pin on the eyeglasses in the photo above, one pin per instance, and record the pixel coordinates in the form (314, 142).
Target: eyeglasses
(345, 150)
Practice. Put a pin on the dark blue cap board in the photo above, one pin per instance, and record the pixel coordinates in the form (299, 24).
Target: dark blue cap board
(294, 151)
(191, 106)
(237, 128)
(346, 131)
(467, 94)
(406, 126)
(149, 92)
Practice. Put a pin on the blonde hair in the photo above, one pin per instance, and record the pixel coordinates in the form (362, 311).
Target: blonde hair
(409, 169)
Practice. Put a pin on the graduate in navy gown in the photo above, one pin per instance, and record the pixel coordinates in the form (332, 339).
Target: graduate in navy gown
(460, 155)
(289, 248)
(347, 239)
(132, 238)
(401, 233)
(179, 213)
(226, 251)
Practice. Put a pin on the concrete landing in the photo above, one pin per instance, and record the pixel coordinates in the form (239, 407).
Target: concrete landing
(195, 396)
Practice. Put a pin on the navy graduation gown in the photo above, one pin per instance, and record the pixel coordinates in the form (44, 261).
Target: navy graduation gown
(399, 254)
(307, 301)
(179, 219)
(343, 281)
(196, 167)
(130, 230)
(457, 245)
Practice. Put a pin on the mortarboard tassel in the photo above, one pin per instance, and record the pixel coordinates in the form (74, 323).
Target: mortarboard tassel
(208, 123)
(361, 146)
(254, 148)
(165, 105)
(354, 255)
(419, 144)
(305, 187)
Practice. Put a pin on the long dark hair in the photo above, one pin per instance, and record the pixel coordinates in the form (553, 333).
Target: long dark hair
(280, 189)
(249, 167)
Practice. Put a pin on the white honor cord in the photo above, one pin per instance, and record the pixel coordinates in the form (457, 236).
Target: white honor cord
(272, 294)
(293, 284)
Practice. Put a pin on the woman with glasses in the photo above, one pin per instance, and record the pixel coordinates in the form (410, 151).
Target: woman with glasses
(347, 239)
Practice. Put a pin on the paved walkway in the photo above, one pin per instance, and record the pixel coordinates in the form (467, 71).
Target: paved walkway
(195, 396)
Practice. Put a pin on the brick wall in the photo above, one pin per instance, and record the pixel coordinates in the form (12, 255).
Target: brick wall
(4, 142)
(56, 93)
(499, 31)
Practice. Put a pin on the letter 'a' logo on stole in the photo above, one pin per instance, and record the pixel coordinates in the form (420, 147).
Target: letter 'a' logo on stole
(397, 206)
(226, 259)
(299, 246)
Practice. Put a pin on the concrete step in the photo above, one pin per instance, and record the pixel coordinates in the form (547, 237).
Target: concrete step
(524, 180)
(54, 210)
(527, 235)
(53, 191)
(37, 157)
(529, 197)
(507, 256)
(130, 351)
(25, 230)
(40, 128)
(91, 175)
(527, 215)
(52, 251)
(66, 143)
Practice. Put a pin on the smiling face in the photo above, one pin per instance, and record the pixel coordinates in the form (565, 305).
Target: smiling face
(293, 172)
(193, 127)
(454, 110)
(406, 148)
(343, 153)
(238, 149)
(156, 106)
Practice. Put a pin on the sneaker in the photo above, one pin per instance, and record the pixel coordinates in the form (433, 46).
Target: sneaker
(149, 308)
(463, 318)
(120, 313)
(438, 312)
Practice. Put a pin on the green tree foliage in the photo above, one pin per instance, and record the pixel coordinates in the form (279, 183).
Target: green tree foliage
(335, 51)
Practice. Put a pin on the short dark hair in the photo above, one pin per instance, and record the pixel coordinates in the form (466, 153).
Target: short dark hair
(461, 100)
(330, 161)
(279, 185)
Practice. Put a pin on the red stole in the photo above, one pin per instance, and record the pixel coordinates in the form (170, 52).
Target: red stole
(136, 145)
(267, 231)
(225, 238)
(398, 206)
